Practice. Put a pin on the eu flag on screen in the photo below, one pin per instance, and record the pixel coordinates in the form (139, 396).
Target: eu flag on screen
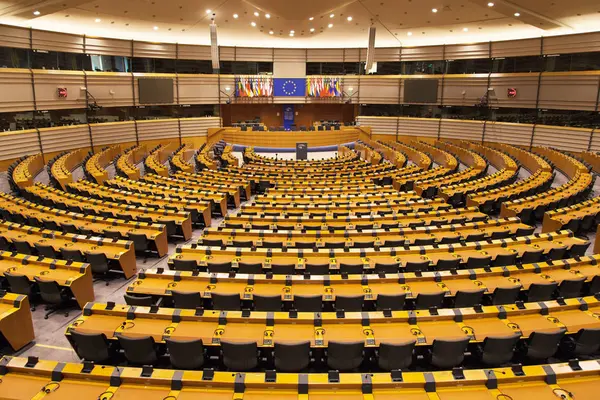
(289, 87)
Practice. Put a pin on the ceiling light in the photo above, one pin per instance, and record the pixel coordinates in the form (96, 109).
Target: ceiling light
(36, 13)
(235, 16)
(208, 11)
(517, 14)
(271, 32)
(350, 89)
(253, 23)
(227, 89)
(256, 14)
(267, 16)
(434, 10)
(312, 29)
(490, 4)
(330, 26)
(291, 34)
(156, 28)
(331, 15)
(97, 20)
(465, 29)
(409, 33)
(311, 18)
(349, 18)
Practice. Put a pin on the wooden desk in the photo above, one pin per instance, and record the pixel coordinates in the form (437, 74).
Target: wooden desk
(75, 276)
(61, 168)
(127, 162)
(335, 199)
(119, 252)
(371, 327)
(557, 219)
(27, 169)
(369, 257)
(156, 234)
(97, 163)
(160, 283)
(16, 324)
(203, 177)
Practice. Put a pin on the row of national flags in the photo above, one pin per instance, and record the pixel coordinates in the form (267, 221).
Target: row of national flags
(252, 86)
(261, 86)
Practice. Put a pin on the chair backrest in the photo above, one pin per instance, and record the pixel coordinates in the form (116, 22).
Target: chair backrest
(19, 284)
(478, 262)
(317, 269)
(351, 268)
(90, 346)
(249, 268)
(542, 345)
(344, 356)
(240, 356)
(392, 302)
(140, 241)
(386, 268)
(189, 300)
(136, 300)
(425, 301)
(185, 354)
(541, 291)
(416, 266)
(22, 247)
(4, 244)
(502, 260)
(50, 291)
(185, 265)
(226, 301)
(283, 269)
(267, 303)
(448, 353)
(395, 355)
(243, 243)
(98, 262)
(308, 303)
(219, 267)
(74, 255)
(497, 350)
(447, 264)
(587, 341)
(46, 250)
(292, 357)
(469, 298)
(212, 242)
(349, 303)
(531, 256)
(139, 350)
(571, 287)
(505, 295)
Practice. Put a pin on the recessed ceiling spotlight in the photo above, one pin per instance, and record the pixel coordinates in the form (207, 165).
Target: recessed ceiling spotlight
(155, 28)
(271, 32)
(291, 34)
(409, 33)
(36, 13)
(330, 26)
(311, 18)
(465, 29)
(490, 4)
(267, 16)
(517, 14)
(235, 16)
(253, 23)
(292, 31)
(97, 20)
(256, 14)
(208, 11)
(349, 18)
(434, 10)
(312, 29)
(331, 15)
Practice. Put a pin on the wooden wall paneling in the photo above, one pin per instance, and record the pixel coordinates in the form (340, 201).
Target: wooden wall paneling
(16, 37)
(47, 83)
(427, 127)
(136, 90)
(563, 138)
(424, 53)
(253, 54)
(464, 90)
(289, 139)
(227, 53)
(224, 83)
(517, 48)
(504, 132)
(158, 129)
(580, 43)
(380, 125)
(194, 130)
(61, 138)
(467, 51)
(325, 55)
(466, 130)
(55, 41)
(376, 89)
(595, 141)
(154, 50)
(289, 55)
(306, 114)
(16, 144)
(525, 83)
(354, 55)
(193, 52)
(351, 87)
(387, 53)
(101, 84)
(107, 47)
(110, 133)
(569, 91)
(269, 114)
(199, 89)
(17, 92)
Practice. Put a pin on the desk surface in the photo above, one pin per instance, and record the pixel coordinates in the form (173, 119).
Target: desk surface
(16, 324)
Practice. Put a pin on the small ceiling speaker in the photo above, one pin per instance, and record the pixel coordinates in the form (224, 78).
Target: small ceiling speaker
(371, 49)
(214, 46)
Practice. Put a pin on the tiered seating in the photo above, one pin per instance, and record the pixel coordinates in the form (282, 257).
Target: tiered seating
(593, 159)
(61, 168)
(179, 161)
(447, 164)
(95, 165)
(157, 157)
(16, 326)
(24, 170)
(126, 163)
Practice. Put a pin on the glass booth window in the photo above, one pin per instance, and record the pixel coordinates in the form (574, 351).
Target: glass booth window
(14, 58)
(109, 63)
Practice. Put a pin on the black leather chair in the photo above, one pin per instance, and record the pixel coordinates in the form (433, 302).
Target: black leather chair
(542, 345)
(571, 287)
(20, 284)
(495, 351)
(46, 250)
(137, 300)
(250, 268)
(141, 245)
(464, 298)
(344, 356)
(416, 266)
(189, 300)
(584, 343)
(226, 301)
(212, 242)
(425, 301)
(74, 255)
(56, 297)
(283, 269)
(92, 347)
(505, 295)
(317, 269)
(502, 260)
(99, 264)
(292, 357)
(478, 262)
(393, 356)
(239, 356)
(185, 265)
(532, 256)
(267, 303)
(541, 291)
(392, 302)
(308, 303)
(382, 268)
(22, 247)
(351, 269)
(139, 350)
(185, 354)
(448, 353)
(219, 267)
(349, 303)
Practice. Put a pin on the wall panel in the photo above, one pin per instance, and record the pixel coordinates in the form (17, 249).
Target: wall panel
(199, 89)
(47, 83)
(595, 144)
(467, 130)
(525, 83)
(388, 53)
(572, 43)
(563, 138)
(325, 55)
(503, 132)
(424, 53)
(427, 127)
(108, 47)
(226, 53)
(63, 138)
(19, 143)
(194, 127)
(113, 132)
(464, 90)
(54, 41)
(467, 51)
(379, 125)
(12, 36)
(253, 54)
(193, 52)
(379, 90)
(154, 50)
(158, 129)
(569, 91)
(515, 48)
(290, 55)
(356, 55)
(17, 92)
(351, 87)
(111, 89)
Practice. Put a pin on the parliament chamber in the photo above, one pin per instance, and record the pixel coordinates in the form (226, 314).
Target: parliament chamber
(328, 200)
